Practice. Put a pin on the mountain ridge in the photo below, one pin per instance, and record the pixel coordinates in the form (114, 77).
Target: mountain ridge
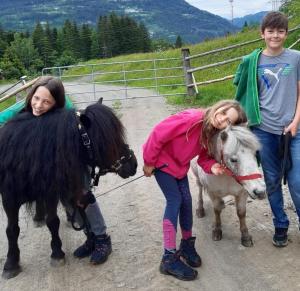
(164, 19)
(250, 19)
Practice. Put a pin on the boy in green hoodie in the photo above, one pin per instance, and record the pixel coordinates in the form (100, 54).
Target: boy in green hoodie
(268, 87)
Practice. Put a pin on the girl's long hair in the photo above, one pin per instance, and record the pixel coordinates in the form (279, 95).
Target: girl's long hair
(55, 87)
(208, 130)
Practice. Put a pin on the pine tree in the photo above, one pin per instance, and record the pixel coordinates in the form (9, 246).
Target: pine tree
(86, 42)
(37, 37)
(145, 38)
(178, 42)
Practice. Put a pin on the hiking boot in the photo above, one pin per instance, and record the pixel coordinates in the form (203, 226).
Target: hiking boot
(188, 252)
(102, 249)
(280, 238)
(86, 249)
(172, 265)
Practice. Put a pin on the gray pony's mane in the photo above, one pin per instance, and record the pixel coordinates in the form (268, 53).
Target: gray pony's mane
(244, 136)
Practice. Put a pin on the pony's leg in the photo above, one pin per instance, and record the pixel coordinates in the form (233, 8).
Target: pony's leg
(200, 212)
(11, 266)
(218, 205)
(52, 222)
(240, 202)
(39, 217)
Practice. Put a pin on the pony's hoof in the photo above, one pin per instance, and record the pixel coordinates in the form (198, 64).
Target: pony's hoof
(247, 241)
(8, 274)
(217, 234)
(200, 212)
(57, 262)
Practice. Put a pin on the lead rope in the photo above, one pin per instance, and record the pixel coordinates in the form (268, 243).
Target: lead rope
(156, 169)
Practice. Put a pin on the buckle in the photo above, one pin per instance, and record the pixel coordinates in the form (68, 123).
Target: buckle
(85, 139)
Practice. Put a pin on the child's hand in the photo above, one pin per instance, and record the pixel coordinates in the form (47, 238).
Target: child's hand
(217, 169)
(148, 170)
(292, 127)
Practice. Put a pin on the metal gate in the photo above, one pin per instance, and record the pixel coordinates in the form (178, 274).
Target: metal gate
(122, 80)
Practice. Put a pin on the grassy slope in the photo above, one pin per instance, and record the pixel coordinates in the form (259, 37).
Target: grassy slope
(208, 94)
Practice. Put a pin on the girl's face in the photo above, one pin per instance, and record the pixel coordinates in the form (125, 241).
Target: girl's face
(42, 101)
(224, 116)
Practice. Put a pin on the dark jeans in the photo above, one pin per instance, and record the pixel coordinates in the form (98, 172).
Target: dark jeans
(271, 164)
(179, 204)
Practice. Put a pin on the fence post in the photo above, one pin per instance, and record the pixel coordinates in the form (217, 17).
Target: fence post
(18, 95)
(93, 81)
(125, 81)
(185, 52)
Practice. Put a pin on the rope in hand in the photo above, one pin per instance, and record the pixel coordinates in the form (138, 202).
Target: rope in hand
(156, 169)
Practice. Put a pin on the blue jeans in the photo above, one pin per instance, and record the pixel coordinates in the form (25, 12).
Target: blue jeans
(271, 165)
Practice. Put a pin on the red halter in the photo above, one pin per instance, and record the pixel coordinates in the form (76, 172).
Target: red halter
(238, 178)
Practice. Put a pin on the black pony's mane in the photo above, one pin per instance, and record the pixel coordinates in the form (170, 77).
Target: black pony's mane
(44, 156)
(106, 132)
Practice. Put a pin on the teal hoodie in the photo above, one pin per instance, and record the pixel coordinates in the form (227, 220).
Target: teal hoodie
(247, 90)
(11, 111)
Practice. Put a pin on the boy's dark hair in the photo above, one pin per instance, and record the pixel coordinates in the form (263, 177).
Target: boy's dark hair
(274, 19)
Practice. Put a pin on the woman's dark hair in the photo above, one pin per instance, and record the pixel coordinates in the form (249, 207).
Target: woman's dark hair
(273, 20)
(55, 87)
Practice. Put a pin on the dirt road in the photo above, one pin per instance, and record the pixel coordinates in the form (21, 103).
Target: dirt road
(134, 214)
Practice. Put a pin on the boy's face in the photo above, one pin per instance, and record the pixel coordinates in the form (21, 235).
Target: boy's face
(274, 37)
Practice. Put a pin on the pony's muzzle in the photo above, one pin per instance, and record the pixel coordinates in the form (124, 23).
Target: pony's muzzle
(259, 194)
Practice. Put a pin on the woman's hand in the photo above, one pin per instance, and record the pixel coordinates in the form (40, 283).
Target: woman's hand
(217, 169)
(148, 170)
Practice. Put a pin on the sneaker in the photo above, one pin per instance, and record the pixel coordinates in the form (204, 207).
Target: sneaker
(86, 249)
(188, 252)
(102, 249)
(172, 265)
(280, 238)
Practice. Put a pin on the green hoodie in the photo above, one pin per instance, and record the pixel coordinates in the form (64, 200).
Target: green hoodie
(247, 90)
(11, 111)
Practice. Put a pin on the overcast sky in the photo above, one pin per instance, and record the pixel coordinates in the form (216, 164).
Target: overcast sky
(240, 7)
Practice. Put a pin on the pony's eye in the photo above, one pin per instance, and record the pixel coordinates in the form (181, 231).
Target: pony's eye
(233, 160)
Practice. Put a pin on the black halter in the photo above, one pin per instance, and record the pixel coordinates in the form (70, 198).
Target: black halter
(87, 143)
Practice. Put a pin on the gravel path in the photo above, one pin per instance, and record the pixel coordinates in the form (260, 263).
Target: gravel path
(133, 214)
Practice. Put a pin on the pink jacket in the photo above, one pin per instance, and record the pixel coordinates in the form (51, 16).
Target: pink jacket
(176, 141)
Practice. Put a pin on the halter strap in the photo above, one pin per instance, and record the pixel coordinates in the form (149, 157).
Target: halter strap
(238, 178)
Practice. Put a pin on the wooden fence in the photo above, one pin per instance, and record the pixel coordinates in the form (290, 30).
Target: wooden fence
(192, 84)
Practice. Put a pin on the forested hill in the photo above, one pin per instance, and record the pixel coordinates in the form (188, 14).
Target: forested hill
(249, 19)
(163, 18)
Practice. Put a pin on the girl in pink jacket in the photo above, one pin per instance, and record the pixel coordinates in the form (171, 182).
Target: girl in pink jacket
(167, 153)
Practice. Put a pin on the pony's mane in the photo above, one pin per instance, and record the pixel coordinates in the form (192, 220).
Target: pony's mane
(41, 154)
(107, 132)
(45, 154)
(245, 137)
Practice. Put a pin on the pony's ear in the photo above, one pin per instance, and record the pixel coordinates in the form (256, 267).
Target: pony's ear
(100, 101)
(224, 136)
(86, 122)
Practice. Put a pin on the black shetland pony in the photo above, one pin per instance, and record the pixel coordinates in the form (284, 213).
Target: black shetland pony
(46, 158)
